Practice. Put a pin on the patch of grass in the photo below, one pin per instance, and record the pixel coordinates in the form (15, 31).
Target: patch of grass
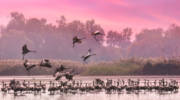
(112, 68)
(133, 66)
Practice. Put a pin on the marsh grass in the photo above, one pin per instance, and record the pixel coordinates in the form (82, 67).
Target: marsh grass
(111, 68)
(133, 66)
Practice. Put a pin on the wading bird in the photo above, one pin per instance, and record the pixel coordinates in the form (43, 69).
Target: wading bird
(59, 76)
(45, 63)
(77, 40)
(25, 50)
(88, 55)
(59, 70)
(28, 66)
(95, 34)
(69, 76)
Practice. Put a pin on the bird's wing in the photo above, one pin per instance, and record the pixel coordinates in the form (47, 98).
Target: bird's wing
(30, 67)
(96, 32)
(75, 38)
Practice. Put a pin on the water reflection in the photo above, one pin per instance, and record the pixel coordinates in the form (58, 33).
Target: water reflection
(98, 96)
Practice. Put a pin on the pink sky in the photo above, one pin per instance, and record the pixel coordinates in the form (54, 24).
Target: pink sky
(111, 14)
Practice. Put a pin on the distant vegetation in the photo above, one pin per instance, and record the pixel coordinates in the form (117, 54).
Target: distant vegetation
(135, 67)
(122, 67)
(54, 41)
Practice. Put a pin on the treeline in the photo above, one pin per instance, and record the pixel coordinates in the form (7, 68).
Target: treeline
(121, 67)
(55, 41)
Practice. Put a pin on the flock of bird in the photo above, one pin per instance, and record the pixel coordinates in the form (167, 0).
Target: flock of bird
(60, 71)
(77, 40)
(109, 86)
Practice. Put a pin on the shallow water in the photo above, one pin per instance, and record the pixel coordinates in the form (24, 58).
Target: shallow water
(93, 96)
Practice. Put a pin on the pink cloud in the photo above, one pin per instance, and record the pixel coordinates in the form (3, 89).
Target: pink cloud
(111, 14)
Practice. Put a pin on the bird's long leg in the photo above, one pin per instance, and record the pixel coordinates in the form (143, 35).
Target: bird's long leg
(93, 54)
(28, 73)
(33, 51)
(84, 62)
(95, 38)
(97, 41)
(73, 44)
(83, 38)
(23, 56)
(39, 67)
(54, 74)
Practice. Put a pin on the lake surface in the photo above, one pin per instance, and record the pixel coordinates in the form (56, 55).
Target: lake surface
(91, 96)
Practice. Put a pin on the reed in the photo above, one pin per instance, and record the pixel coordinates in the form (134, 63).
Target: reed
(132, 66)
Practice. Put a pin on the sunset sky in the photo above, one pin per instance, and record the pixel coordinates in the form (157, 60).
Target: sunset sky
(111, 14)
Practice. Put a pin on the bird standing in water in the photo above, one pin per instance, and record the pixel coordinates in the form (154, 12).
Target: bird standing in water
(25, 50)
(77, 40)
